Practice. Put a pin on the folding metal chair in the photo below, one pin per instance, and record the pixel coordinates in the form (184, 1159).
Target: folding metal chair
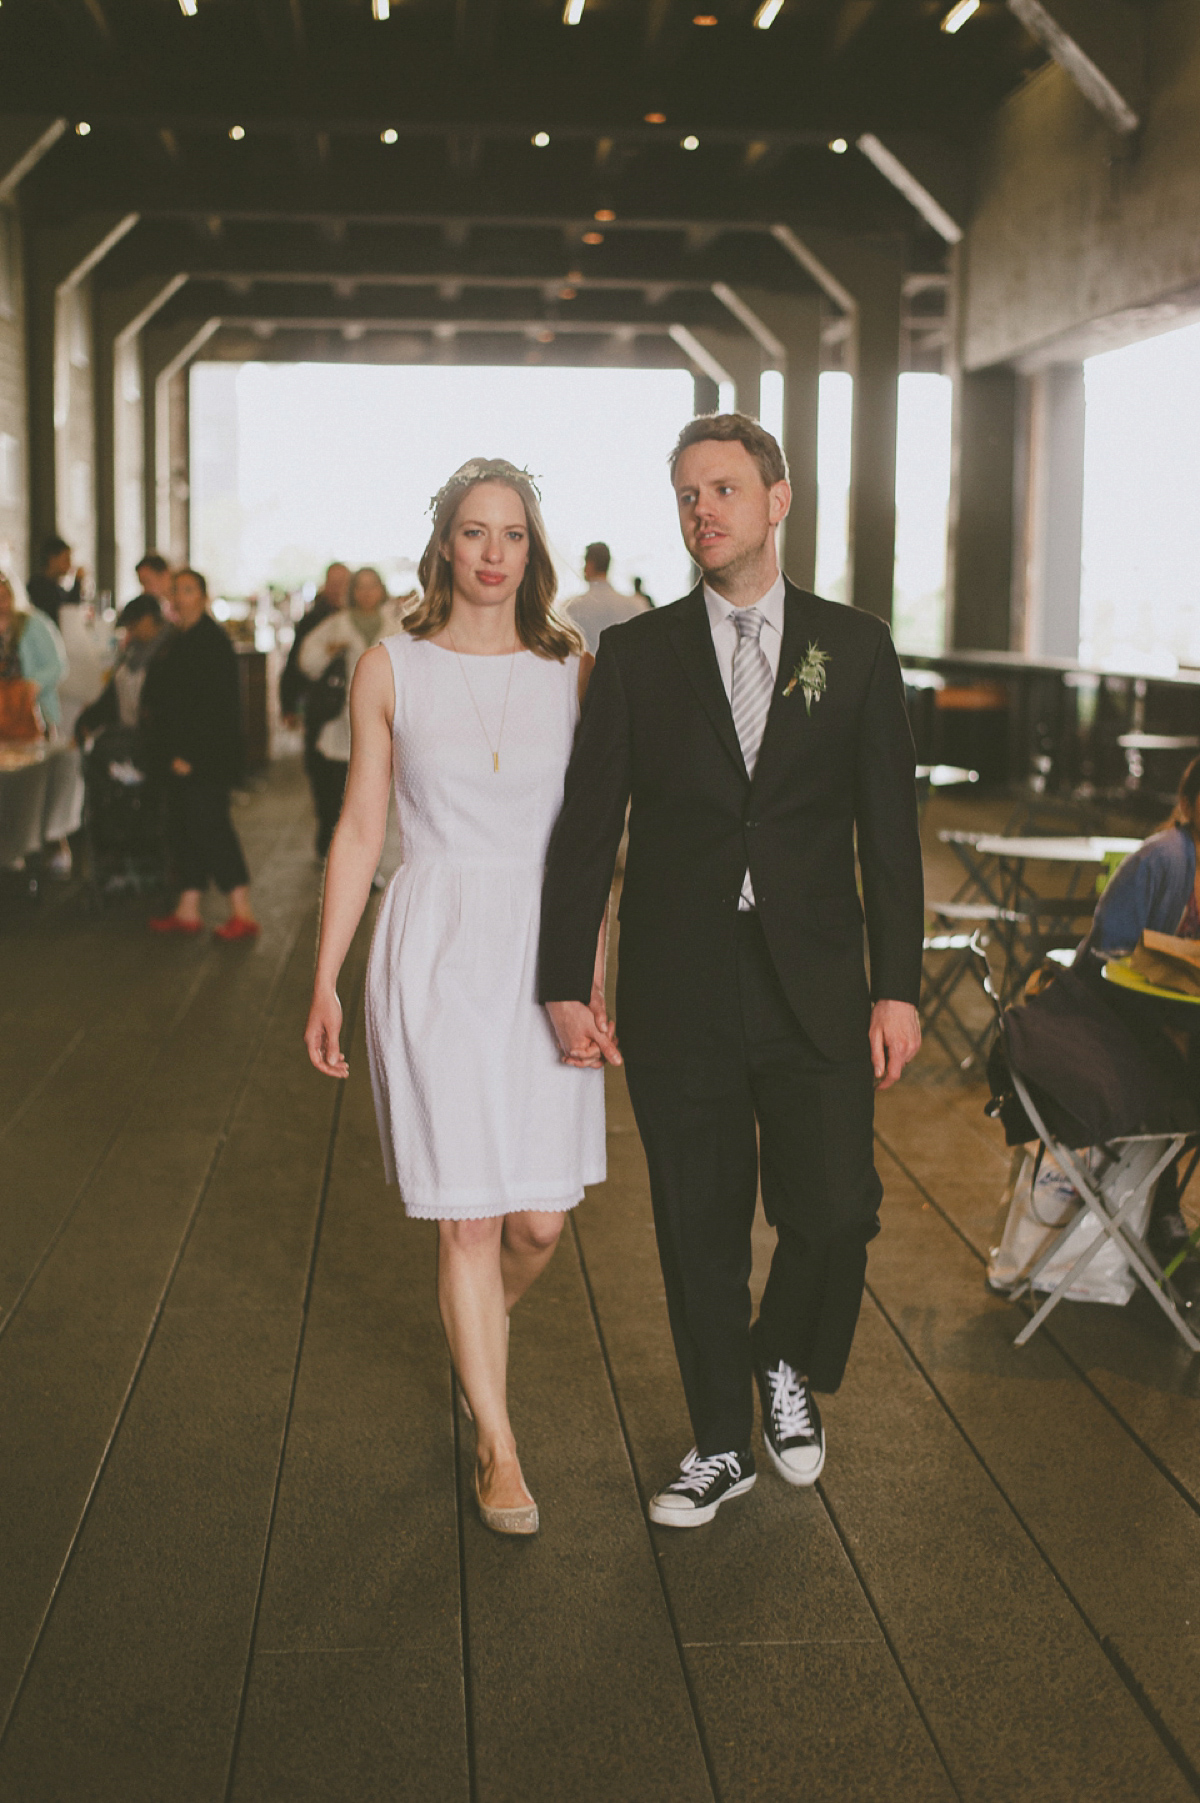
(956, 945)
(1125, 1172)
(1125, 1175)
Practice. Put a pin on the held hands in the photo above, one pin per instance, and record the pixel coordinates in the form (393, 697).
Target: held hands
(586, 1037)
(322, 1034)
(895, 1036)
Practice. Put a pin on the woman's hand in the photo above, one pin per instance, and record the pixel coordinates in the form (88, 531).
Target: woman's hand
(323, 1032)
(600, 1013)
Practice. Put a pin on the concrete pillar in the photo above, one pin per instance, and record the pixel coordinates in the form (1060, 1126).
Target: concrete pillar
(788, 331)
(979, 562)
(865, 280)
(166, 353)
(120, 316)
(740, 355)
(1053, 511)
(23, 143)
(59, 262)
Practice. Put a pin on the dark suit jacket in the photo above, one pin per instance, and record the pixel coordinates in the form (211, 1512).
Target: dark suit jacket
(657, 726)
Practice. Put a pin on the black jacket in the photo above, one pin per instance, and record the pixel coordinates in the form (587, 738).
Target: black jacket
(293, 683)
(48, 596)
(191, 704)
(657, 727)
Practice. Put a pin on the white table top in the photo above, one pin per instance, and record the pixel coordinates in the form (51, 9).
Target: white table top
(1050, 850)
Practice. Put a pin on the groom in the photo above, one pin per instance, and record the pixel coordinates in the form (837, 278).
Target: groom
(757, 730)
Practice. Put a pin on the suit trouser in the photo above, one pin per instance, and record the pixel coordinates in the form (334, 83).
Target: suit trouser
(759, 1097)
(327, 779)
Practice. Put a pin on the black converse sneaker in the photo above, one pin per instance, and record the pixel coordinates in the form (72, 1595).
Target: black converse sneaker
(701, 1487)
(792, 1431)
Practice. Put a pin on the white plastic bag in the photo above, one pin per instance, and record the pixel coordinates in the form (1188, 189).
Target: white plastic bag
(1038, 1209)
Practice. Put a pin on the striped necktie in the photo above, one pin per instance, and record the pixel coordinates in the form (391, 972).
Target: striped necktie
(751, 684)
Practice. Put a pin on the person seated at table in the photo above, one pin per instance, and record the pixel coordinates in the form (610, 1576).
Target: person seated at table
(1155, 887)
(33, 661)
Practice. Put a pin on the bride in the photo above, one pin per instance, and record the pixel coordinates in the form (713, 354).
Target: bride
(470, 711)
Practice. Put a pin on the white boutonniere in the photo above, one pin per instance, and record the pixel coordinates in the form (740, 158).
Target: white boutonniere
(809, 676)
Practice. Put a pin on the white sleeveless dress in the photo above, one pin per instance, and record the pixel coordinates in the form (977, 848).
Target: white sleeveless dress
(477, 1116)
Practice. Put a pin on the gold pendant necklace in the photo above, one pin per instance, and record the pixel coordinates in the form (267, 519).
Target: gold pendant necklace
(494, 749)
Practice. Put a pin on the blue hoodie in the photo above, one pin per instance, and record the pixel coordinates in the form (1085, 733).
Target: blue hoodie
(1149, 889)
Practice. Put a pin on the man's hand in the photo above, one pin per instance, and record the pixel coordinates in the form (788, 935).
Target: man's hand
(895, 1035)
(584, 1040)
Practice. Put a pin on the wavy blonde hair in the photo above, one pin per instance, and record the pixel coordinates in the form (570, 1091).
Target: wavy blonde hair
(539, 628)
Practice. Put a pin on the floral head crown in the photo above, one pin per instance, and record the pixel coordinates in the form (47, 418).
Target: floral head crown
(483, 469)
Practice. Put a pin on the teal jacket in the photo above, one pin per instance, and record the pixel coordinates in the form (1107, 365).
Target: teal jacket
(43, 661)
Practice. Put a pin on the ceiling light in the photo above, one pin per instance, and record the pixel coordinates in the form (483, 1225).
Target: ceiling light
(767, 14)
(593, 237)
(573, 12)
(655, 118)
(689, 143)
(389, 136)
(381, 9)
(82, 129)
(540, 139)
(705, 19)
(604, 214)
(237, 133)
(188, 8)
(838, 146)
(566, 294)
(958, 15)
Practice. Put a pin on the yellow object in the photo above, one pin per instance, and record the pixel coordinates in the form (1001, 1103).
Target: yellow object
(1118, 971)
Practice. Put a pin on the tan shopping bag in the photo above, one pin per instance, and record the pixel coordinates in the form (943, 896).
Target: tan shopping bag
(1169, 962)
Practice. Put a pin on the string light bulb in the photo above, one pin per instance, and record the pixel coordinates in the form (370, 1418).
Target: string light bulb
(389, 136)
(573, 12)
(82, 129)
(540, 140)
(237, 133)
(381, 10)
(188, 8)
(958, 15)
(767, 14)
(689, 143)
(604, 215)
(838, 146)
(593, 237)
(655, 118)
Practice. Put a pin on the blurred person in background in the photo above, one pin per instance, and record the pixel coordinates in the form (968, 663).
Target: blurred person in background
(118, 707)
(33, 665)
(328, 657)
(640, 592)
(154, 575)
(194, 734)
(601, 604)
(46, 591)
(307, 704)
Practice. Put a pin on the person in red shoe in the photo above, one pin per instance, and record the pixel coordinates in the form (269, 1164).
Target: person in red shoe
(193, 728)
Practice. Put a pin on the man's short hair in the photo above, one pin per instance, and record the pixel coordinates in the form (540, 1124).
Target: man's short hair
(735, 428)
(142, 607)
(151, 560)
(599, 556)
(53, 547)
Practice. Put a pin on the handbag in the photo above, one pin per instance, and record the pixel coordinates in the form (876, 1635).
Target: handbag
(20, 716)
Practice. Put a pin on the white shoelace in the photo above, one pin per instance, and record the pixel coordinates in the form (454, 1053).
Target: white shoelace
(696, 1474)
(789, 1404)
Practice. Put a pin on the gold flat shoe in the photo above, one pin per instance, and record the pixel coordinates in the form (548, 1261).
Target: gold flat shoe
(522, 1520)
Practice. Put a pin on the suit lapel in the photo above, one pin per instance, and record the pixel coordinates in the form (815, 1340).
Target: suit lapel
(691, 636)
(790, 709)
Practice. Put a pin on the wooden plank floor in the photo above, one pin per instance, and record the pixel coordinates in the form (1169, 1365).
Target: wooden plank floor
(239, 1557)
